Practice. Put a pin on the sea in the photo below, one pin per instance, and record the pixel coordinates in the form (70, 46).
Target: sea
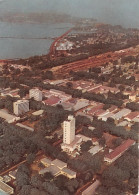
(23, 40)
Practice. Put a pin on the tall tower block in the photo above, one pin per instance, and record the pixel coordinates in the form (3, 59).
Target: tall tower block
(69, 130)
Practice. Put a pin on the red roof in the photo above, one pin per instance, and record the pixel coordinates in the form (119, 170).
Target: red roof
(100, 111)
(112, 108)
(95, 109)
(73, 101)
(120, 149)
(52, 100)
(132, 115)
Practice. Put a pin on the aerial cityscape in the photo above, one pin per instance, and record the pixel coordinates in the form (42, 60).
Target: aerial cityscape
(69, 97)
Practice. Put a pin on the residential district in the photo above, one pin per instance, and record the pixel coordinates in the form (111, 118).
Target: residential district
(69, 120)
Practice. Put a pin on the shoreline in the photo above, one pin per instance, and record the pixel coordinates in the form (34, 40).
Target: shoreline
(51, 48)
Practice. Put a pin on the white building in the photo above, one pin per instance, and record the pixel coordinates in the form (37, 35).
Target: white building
(66, 45)
(6, 188)
(70, 141)
(8, 117)
(36, 94)
(21, 107)
(69, 130)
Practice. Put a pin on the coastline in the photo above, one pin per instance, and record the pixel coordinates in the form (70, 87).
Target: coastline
(51, 49)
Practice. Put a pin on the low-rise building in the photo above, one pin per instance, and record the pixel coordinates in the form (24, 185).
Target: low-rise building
(6, 188)
(94, 150)
(121, 114)
(46, 161)
(12, 174)
(131, 116)
(115, 154)
(38, 113)
(8, 117)
(68, 173)
(25, 127)
(57, 167)
(92, 188)
(58, 163)
(105, 117)
(75, 144)
(84, 138)
(124, 123)
(52, 101)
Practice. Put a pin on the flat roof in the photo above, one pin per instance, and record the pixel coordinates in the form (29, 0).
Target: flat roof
(37, 113)
(46, 161)
(2, 193)
(60, 164)
(54, 170)
(95, 149)
(5, 115)
(6, 188)
(68, 171)
(25, 127)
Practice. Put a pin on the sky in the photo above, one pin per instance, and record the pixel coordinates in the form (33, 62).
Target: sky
(122, 12)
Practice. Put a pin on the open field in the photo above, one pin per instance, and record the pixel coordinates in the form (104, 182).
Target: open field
(94, 61)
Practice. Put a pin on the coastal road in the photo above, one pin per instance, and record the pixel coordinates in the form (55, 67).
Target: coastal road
(53, 46)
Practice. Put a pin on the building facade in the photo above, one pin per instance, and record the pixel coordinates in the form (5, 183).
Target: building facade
(36, 94)
(21, 107)
(69, 130)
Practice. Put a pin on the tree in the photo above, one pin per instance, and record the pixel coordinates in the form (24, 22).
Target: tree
(35, 191)
(133, 106)
(86, 145)
(36, 181)
(69, 85)
(117, 142)
(30, 158)
(102, 141)
(60, 181)
(25, 190)
(48, 176)
(97, 133)
(48, 75)
(106, 106)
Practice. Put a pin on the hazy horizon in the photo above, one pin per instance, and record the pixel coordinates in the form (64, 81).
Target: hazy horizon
(122, 12)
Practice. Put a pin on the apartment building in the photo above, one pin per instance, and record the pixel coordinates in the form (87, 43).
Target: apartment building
(21, 107)
(36, 94)
(69, 130)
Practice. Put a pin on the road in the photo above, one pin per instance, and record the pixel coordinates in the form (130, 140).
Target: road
(17, 165)
(53, 46)
(12, 168)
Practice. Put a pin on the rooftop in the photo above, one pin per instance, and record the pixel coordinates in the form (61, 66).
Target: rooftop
(8, 117)
(46, 161)
(95, 149)
(25, 127)
(121, 113)
(132, 115)
(120, 149)
(52, 169)
(38, 113)
(91, 189)
(52, 100)
(60, 164)
(6, 188)
(68, 171)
